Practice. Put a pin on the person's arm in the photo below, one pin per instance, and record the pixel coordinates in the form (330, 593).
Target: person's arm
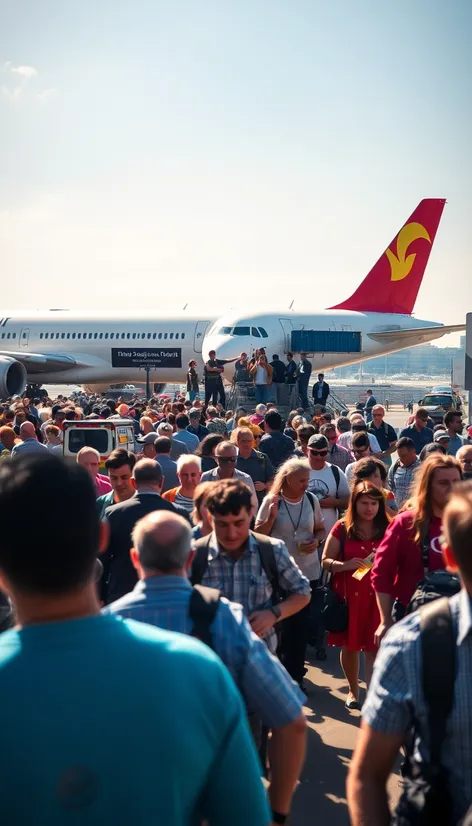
(383, 573)
(267, 515)
(253, 368)
(385, 605)
(370, 769)
(330, 561)
(293, 582)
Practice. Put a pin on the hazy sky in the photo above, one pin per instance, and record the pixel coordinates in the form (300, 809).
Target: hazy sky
(229, 153)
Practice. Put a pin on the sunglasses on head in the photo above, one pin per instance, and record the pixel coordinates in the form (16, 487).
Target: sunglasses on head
(318, 452)
(226, 458)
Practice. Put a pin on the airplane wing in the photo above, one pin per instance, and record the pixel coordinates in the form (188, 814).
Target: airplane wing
(37, 363)
(415, 335)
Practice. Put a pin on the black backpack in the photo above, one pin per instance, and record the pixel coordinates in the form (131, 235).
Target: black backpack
(435, 584)
(202, 610)
(266, 556)
(426, 799)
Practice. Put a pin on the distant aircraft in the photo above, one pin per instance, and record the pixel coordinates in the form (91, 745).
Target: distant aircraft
(99, 349)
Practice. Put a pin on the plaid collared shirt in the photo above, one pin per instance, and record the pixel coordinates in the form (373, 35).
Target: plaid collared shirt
(340, 456)
(395, 701)
(401, 481)
(265, 685)
(245, 580)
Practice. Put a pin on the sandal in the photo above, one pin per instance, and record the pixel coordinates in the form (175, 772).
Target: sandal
(352, 704)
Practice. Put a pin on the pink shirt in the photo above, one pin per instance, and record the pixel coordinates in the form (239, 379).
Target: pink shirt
(103, 484)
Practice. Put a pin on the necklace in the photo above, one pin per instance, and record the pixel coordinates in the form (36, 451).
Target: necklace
(295, 527)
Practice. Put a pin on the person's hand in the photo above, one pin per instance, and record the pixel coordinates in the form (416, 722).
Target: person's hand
(274, 506)
(328, 502)
(309, 547)
(260, 485)
(262, 621)
(381, 631)
(354, 564)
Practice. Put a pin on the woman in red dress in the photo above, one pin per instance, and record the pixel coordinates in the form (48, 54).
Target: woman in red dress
(351, 545)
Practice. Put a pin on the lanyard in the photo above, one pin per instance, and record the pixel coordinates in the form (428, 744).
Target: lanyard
(295, 527)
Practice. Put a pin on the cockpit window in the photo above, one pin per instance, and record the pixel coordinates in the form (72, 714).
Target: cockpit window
(264, 334)
(224, 331)
(241, 331)
(255, 332)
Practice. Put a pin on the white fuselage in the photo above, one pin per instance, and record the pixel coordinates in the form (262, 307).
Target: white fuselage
(114, 348)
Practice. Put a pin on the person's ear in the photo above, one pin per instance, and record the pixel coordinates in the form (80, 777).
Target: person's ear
(449, 558)
(134, 558)
(104, 536)
(133, 483)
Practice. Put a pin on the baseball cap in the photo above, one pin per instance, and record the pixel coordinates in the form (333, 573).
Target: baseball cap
(148, 439)
(318, 441)
(440, 435)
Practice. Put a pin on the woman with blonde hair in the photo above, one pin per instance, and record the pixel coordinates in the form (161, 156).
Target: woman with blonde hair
(350, 546)
(293, 514)
(145, 425)
(411, 545)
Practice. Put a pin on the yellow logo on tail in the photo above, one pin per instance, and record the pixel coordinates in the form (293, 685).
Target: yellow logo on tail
(401, 263)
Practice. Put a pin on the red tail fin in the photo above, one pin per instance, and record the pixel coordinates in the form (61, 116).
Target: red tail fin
(393, 283)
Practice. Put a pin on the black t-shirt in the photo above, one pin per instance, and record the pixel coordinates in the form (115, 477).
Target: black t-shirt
(278, 368)
(192, 379)
(384, 434)
(209, 374)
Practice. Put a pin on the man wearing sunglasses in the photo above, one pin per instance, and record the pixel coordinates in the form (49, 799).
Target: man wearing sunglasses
(360, 449)
(327, 482)
(226, 455)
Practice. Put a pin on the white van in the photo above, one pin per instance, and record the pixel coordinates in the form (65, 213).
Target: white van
(105, 435)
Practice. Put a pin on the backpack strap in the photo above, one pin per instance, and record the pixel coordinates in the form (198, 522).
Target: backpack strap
(395, 467)
(200, 560)
(337, 477)
(269, 565)
(438, 649)
(311, 499)
(202, 609)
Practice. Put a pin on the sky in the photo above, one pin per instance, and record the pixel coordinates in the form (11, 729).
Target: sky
(230, 154)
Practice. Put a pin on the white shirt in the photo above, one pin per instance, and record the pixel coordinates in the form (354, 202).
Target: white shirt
(261, 375)
(345, 440)
(214, 476)
(322, 483)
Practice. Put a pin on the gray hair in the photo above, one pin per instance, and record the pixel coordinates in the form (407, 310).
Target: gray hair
(290, 466)
(188, 459)
(163, 541)
(222, 446)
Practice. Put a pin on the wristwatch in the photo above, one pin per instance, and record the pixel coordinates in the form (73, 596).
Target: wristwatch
(277, 612)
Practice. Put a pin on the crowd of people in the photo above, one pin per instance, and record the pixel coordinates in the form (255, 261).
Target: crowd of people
(259, 537)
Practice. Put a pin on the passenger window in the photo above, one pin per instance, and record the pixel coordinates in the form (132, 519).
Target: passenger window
(13, 335)
(263, 333)
(111, 335)
(95, 335)
(165, 335)
(171, 335)
(149, 335)
(3, 335)
(40, 335)
(176, 335)
(73, 335)
(134, 335)
(79, 335)
(160, 335)
(8, 335)
(128, 335)
(154, 335)
(182, 335)
(68, 335)
(255, 332)
(57, 335)
(106, 335)
(100, 335)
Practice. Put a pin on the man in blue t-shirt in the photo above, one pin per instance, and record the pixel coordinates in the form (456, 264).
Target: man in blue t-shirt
(106, 720)
(419, 432)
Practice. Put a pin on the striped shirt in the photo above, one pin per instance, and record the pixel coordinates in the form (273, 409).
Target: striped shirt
(265, 685)
(395, 702)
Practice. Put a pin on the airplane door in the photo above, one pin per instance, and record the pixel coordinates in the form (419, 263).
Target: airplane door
(24, 337)
(287, 327)
(200, 330)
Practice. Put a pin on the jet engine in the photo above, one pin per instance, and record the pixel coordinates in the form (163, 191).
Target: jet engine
(13, 378)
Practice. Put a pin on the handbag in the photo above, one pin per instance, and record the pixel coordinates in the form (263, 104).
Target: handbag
(334, 611)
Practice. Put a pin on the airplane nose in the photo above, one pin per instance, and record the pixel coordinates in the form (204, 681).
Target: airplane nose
(224, 347)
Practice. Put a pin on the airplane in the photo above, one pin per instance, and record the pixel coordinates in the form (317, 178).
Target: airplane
(97, 349)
